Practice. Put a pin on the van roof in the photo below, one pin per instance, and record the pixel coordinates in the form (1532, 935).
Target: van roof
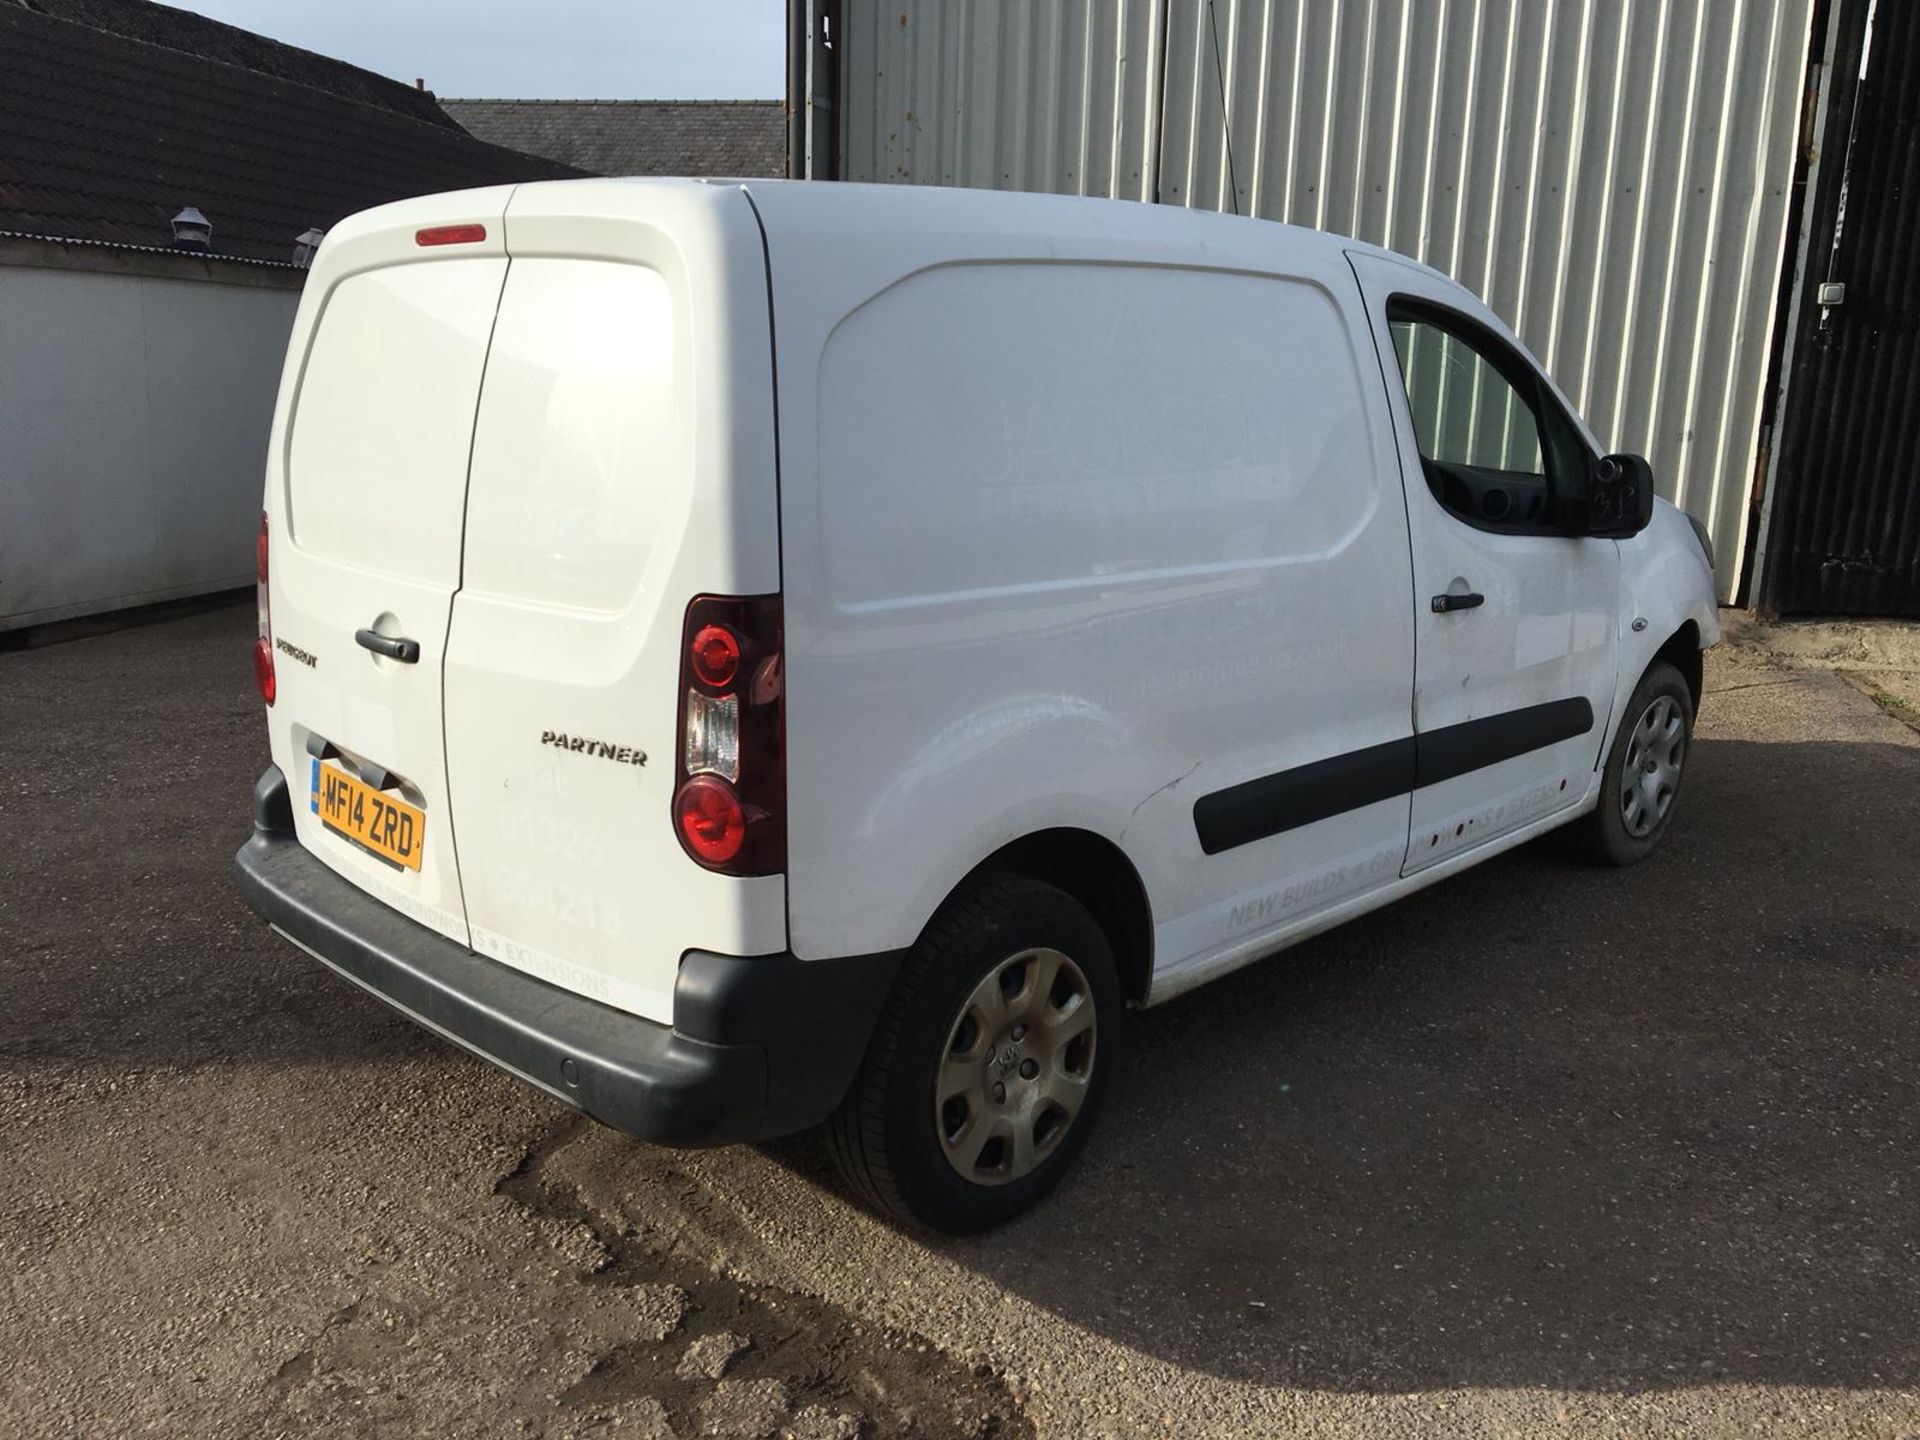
(830, 206)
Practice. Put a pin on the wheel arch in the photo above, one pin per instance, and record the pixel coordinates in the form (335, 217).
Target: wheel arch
(1682, 651)
(1097, 873)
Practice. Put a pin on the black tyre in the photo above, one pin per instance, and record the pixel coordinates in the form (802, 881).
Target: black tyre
(1645, 765)
(989, 1062)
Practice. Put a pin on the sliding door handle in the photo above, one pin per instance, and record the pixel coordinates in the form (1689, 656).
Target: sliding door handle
(1473, 599)
(391, 646)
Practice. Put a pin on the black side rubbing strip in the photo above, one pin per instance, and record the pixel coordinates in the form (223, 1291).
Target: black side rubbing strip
(1475, 744)
(1274, 804)
(1255, 809)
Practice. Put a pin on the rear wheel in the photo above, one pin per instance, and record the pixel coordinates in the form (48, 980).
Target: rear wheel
(988, 1063)
(1645, 764)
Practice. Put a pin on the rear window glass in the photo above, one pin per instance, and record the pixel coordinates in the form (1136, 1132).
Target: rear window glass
(377, 462)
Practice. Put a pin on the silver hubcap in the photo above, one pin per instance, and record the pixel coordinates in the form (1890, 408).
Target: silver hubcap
(1015, 1071)
(1651, 775)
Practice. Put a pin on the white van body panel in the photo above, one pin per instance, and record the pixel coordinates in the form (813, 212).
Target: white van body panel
(1665, 580)
(623, 462)
(1079, 511)
(1014, 549)
(365, 488)
(1547, 634)
(528, 463)
(1214, 573)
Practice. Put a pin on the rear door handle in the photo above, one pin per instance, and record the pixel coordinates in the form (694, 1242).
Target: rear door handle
(1469, 601)
(391, 646)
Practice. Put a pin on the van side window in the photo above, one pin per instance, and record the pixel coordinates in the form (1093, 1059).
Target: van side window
(1490, 443)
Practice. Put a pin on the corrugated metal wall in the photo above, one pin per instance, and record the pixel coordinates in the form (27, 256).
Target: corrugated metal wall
(1060, 95)
(1611, 175)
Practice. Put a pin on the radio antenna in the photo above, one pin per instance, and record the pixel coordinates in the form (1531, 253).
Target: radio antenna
(1226, 124)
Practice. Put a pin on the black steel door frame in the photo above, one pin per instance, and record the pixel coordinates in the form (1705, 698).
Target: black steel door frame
(1840, 519)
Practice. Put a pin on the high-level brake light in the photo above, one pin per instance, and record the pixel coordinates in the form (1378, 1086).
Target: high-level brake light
(450, 235)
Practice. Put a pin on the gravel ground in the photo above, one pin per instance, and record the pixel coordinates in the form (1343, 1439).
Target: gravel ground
(1542, 1149)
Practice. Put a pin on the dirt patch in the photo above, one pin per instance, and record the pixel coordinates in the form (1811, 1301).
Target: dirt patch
(1896, 692)
(792, 1364)
(1828, 644)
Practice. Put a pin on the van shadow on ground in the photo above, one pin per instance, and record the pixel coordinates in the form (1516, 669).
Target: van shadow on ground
(1541, 1125)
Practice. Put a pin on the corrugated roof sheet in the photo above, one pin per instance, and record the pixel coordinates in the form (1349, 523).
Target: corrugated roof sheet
(637, 137)
(106, 138)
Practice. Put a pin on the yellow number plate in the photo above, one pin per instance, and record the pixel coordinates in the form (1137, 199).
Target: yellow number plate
(376, 820)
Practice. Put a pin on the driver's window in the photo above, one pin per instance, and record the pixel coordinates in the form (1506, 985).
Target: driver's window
(1480, 438)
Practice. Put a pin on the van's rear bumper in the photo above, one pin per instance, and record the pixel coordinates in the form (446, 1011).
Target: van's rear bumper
(761, 1045)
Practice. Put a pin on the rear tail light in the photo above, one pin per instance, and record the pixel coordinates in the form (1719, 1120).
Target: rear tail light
(714, 654)
(710, 741)
(263, 646)
(713, 822)
(730, 781)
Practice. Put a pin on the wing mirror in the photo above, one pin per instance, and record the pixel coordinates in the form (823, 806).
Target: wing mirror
(1619, 499)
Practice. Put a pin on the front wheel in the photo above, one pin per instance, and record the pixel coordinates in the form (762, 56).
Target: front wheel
(1641, 783)
(989, 1062)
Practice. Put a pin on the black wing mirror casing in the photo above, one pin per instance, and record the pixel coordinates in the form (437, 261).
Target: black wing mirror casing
(1619, 500)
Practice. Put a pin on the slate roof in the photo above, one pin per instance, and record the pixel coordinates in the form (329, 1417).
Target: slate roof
(105, 138)
(183, 30)
(746, 138)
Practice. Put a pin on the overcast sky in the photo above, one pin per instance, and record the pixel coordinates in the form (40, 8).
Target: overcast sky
(557, 49)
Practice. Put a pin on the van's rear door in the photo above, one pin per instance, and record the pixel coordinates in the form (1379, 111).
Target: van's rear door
(365, 500)
(623, 463)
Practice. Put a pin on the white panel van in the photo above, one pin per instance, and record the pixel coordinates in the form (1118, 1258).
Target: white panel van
(744, 656)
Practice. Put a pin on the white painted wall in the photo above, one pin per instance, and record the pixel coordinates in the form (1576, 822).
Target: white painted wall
(133, 428)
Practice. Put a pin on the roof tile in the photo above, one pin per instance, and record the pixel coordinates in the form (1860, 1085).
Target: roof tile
(106, 138)
(745, 138)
